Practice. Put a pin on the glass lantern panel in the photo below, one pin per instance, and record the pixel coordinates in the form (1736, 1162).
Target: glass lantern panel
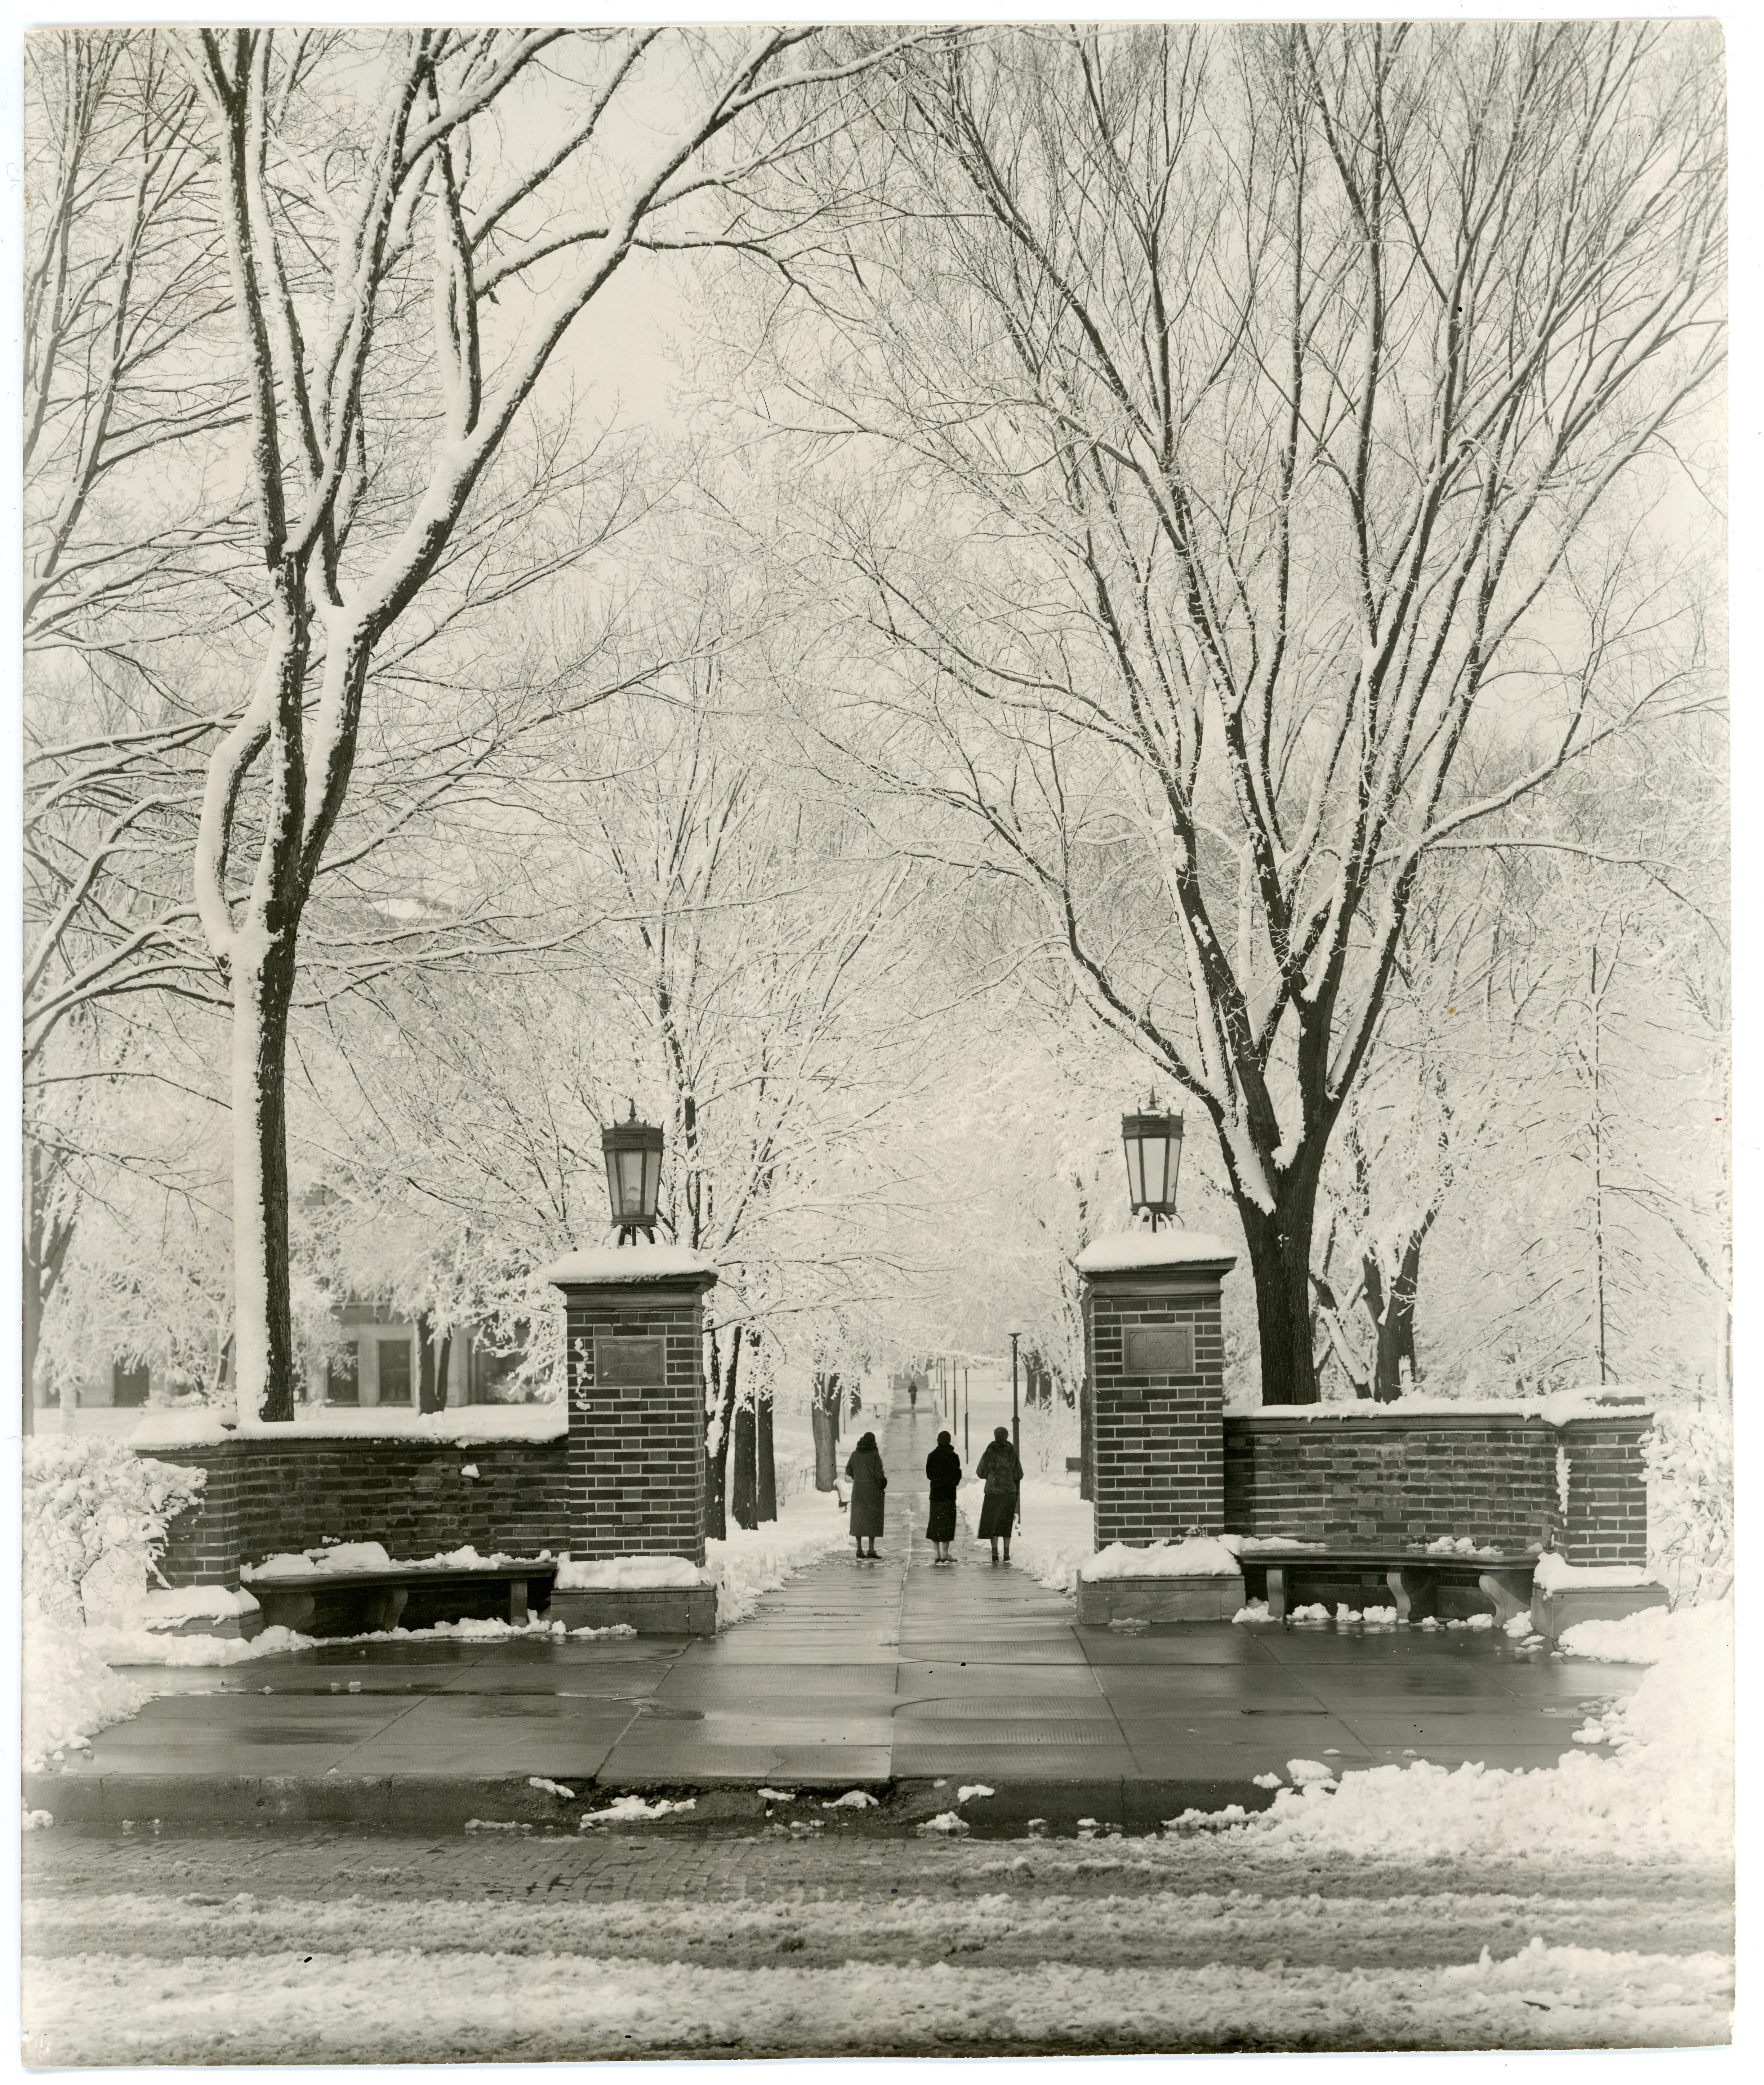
(652, 1159)
(630, 1166)
(1154, 1154)
(1135, 1173)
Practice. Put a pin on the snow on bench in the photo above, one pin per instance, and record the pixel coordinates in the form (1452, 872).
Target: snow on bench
(361, 1588)
(1412, 1573)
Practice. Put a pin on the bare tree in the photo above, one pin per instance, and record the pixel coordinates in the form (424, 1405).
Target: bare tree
(392, 205)
(1276, 412)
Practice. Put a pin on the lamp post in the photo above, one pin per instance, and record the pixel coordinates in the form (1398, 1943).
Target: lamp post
(967, 1409)
(1017, 1419)
(633, 1152)
(1153, 1144)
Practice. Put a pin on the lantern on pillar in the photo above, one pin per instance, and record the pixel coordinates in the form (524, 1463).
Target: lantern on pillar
(1153, 1143)
(633, 1150)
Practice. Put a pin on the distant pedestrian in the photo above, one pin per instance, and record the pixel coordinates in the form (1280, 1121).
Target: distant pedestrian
(1002, 1474)
(912, 1394)
(942, 1466)
(868, 1483)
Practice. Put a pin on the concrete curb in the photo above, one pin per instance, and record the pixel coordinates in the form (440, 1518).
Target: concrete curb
(426, 1803)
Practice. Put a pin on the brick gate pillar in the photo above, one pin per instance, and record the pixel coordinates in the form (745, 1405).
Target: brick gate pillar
(1154, 1361)
(634, 1371)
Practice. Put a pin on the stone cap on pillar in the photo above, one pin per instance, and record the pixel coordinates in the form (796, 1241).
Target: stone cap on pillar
(632, 1266)
(1131, 1255)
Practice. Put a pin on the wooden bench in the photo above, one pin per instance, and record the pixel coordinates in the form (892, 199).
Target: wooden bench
(354, 1603)
(1413, 1575)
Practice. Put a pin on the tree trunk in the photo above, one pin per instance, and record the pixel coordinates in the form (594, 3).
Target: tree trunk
(765, 1467)
(33, 1333)
(823, 1417)
(262, 993)
(1280, 1248)
(431, 1364)
(1396, 1363)
(717, 1451)
(743, 1502)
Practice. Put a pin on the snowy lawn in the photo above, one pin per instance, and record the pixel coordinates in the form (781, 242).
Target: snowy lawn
(754, 1561)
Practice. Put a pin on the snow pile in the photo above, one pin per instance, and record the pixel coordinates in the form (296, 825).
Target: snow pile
(1667, 1793)
(1250, 1545)
(754, 1561)
(1199, 1557)
(1257, 1610)
(633, 1810)
(854, 1799)
(121, 1645)
(626, 1574)
(178, 1604)
(70, 1693)
(1647, 1638)
(945, 1821)
(1555, 1574)
(1690, 1459)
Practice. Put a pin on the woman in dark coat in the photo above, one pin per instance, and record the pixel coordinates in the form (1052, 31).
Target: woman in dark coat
(942, 1466)
(868, 1483)
(1002, 1474)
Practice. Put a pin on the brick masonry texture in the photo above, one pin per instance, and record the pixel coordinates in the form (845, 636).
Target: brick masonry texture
(627, 1479)
(1152, 1446)
(1387, 1479)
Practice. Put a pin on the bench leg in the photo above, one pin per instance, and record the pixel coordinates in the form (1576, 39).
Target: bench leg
(385, 1606)
(291, 1610)
(1504, 1591)
(1277, 1591)
(517, 1601)
(1413, 1591)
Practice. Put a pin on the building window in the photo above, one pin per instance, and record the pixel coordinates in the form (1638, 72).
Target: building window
(343, 1376)
(492, 1378)
(394, 1360)
(128, 1385)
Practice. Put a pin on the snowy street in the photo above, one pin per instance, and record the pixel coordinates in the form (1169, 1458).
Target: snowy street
(371, 1949)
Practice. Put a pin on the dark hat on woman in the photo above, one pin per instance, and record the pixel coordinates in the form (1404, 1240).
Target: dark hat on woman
(1001, 1432)
(869, 1442)
(942, 1440)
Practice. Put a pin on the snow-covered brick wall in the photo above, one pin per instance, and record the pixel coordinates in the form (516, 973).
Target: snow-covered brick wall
(1394, 1476)
(264, 1497)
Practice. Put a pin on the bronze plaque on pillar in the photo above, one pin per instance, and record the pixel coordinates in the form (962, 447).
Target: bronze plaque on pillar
(623, 1362)
(1158, 1350)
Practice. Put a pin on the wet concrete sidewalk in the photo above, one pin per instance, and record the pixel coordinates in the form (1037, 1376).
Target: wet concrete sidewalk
(854, 1675)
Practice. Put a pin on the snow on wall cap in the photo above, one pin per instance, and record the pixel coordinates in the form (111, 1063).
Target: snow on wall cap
(1129, 1249)
(1555, 1409)
(459, 1425)
(596, 1264)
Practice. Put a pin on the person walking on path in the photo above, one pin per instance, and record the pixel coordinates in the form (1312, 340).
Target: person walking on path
(942, 1466)
(869, 1481)
(912, 1394)
(1003, 1475)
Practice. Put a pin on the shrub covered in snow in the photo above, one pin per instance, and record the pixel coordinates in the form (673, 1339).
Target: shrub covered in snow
(93, 1510)
(1690, 1457)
